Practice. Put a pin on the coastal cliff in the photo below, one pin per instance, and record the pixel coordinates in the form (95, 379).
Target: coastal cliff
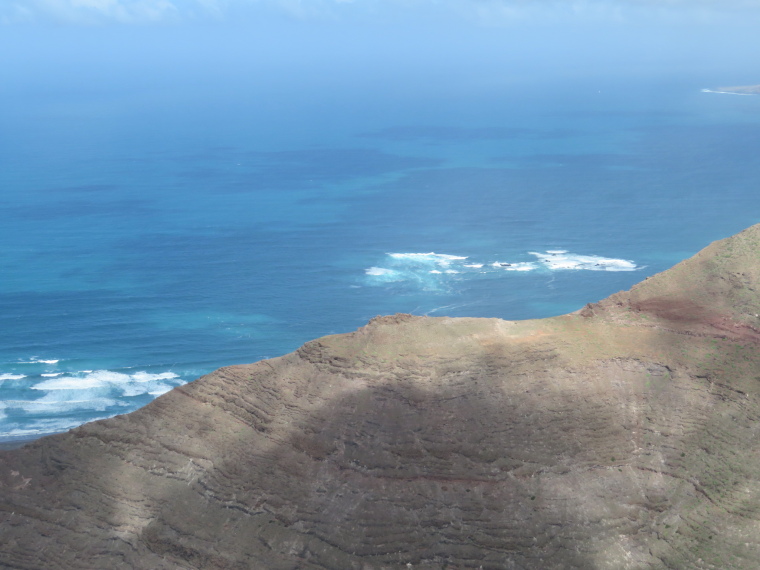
(621, 436)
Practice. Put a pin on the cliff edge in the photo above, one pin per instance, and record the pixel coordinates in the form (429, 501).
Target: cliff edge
(621, 436)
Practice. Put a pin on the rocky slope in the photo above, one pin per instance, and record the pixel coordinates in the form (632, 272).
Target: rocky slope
(622, 436)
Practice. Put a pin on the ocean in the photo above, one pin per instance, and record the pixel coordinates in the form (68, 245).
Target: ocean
(157, 226)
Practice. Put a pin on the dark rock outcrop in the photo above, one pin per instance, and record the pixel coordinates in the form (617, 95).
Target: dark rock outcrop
(624, 436)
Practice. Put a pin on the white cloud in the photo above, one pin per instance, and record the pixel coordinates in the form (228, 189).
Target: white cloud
(505, 11)
(488, 12)
(216, 8)
(14, 12)
(90, 11)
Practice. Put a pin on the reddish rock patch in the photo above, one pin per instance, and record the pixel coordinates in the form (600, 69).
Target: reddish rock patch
(675, 310)
(688, 315)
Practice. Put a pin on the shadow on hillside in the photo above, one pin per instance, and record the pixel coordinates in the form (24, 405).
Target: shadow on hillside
(553, 470)
(624, 465)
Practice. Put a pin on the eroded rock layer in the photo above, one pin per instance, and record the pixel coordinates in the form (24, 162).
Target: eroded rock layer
(623, 436)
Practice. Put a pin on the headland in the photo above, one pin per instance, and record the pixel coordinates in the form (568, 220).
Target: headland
(624, 435)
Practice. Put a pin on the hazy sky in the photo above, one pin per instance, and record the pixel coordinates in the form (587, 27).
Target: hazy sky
(705, 28)
(70, 57)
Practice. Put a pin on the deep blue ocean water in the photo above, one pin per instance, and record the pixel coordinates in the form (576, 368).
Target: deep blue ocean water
(150, 236)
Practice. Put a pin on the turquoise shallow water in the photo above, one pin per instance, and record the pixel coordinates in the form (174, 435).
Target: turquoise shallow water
(143, 246)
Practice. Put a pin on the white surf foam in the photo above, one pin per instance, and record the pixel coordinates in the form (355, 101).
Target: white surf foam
(69, 383)
(432, 257)
(522, 266)
(432, 271)
(424, 270)
(95, 391)
(383, 275)
(160, 390)
(519, 266)
(39, 361)
(557, 260)
(63, 403)
(42, 427)
(379, 271)
(130, 384)
(12, 376)
(57, 401)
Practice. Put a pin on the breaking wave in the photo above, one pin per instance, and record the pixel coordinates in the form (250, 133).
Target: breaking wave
(434, 271)
(559, 260)
(12, 376)
(49, 402)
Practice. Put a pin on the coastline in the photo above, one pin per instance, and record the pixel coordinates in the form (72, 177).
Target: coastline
(511, 421)
(15, 443)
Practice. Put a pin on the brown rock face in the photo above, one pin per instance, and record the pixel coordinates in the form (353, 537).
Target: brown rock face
(622, 437)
